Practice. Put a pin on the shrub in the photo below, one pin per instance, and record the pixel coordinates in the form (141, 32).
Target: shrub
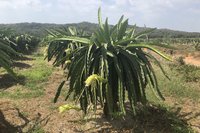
(190, 73)
(25, 43)
(106, 66)
(180, 61)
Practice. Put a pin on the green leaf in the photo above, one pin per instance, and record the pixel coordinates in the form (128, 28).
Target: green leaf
(150, 48)
(73, 38)
(58, 91)
(99, 18)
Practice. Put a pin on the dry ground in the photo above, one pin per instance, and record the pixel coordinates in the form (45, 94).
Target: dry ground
(40, 114)
(193, 59)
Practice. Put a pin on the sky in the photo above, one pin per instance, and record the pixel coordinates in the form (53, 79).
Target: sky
(181, 15)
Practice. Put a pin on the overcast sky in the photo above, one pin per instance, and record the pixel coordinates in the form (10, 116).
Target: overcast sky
(173, 14)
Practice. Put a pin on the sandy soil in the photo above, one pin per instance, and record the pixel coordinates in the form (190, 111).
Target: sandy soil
(193, 59)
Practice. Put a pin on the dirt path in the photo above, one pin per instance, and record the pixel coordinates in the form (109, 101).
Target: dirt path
(192, 60)
(37, 113)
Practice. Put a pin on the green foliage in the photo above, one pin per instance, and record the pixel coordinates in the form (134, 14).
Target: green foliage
(22, 43)
(171, 42)
(37, 74)
(115, 56)
(197, 47)
(6, 32)
(58, 92)
(6, 52)
(20, 94)
(61, 44)
(25, 43)
(180, 61)
(190, 73)
(177, 87)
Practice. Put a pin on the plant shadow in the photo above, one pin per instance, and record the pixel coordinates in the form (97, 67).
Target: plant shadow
(7, 127)
(150, 119)
(7, 81)
(23, 58)
(21, 65)
(29, 125)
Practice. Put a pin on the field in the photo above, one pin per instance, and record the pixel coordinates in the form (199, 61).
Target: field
(99, 79)
(67, 68)
(26, 104)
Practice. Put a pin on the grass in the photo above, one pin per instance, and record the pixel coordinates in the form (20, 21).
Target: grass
(176, 87)
(37, 75)
(35, 78)
(21, 94)
(38, 129)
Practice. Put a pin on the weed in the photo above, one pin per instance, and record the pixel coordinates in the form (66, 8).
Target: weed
(180, 61)
(38, 129)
